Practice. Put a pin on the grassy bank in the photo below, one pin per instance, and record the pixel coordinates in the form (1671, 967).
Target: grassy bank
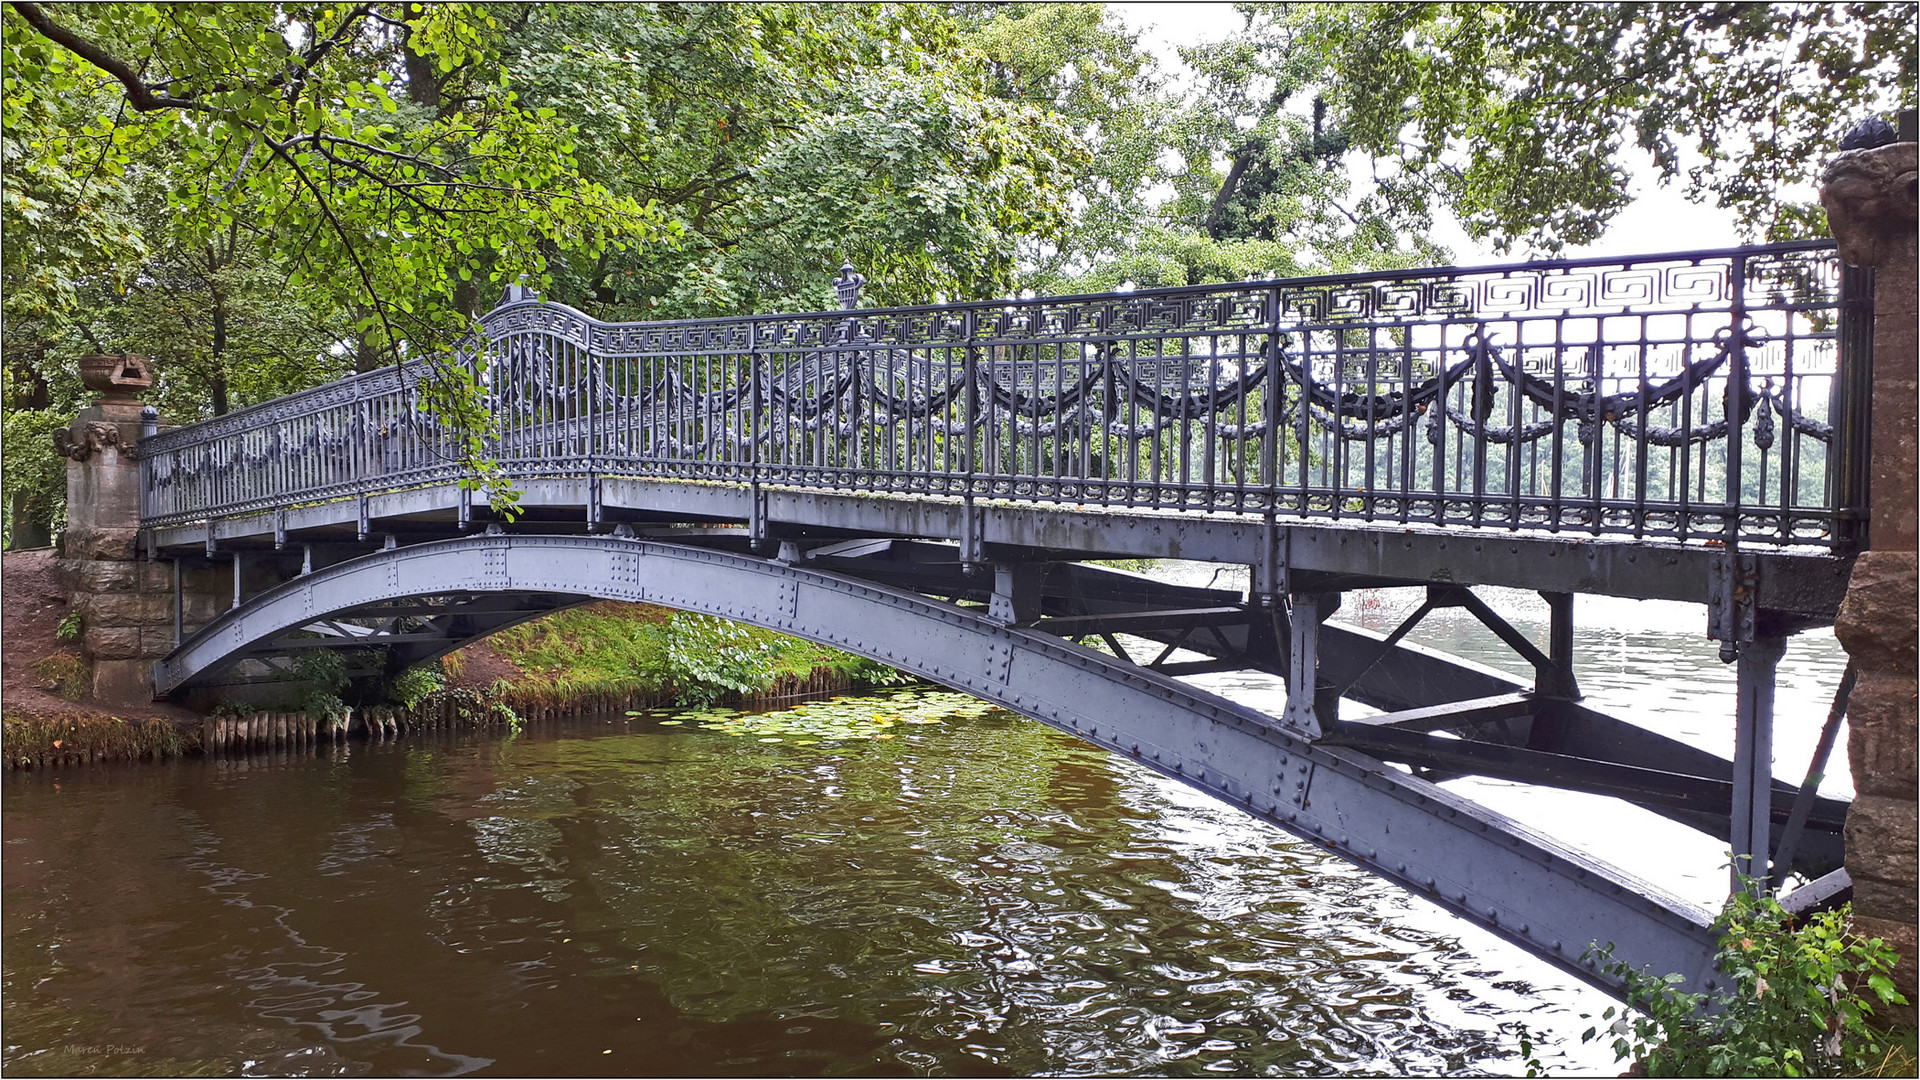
(612, 650)
(604, 657)
(42, 740)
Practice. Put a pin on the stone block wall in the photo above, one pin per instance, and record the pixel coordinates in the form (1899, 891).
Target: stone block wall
(1871, 197)
(126, 616)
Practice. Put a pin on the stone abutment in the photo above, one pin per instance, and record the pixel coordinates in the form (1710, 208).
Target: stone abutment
(1870, 199)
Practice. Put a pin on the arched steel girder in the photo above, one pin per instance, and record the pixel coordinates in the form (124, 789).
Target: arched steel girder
(1491, 870)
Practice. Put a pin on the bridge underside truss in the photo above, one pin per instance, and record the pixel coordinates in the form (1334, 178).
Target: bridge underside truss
(1013, 633)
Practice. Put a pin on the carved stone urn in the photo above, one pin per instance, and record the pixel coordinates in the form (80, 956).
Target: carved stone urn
(116, 377)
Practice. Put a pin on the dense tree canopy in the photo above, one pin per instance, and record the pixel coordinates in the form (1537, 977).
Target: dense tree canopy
(263, 197)
(1523, 118)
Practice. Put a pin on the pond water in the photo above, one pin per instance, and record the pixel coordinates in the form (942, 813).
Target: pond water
(974, 894)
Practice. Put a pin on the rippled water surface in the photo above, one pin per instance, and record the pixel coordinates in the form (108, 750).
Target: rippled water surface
(981, 896)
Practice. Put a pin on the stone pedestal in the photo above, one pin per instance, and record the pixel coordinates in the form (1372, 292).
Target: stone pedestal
(1871, 205)
(125, 605)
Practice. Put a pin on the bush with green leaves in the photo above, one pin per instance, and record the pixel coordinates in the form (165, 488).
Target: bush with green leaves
(710, 656)
(412, 686)
(1798, 1005)
(326, 672)
(865, 672)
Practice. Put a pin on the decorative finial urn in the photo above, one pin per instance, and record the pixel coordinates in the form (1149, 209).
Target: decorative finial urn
(848, 286)
(117, 377)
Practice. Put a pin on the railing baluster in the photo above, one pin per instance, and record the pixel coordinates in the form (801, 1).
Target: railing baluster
(1735, 409)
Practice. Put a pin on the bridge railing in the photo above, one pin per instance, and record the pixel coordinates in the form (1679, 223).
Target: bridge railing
(1689, 396)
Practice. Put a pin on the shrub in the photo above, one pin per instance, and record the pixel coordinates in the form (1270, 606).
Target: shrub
(321, 705)
(1798, 1006)
(34, 483)
(411, 687)
(710, 656)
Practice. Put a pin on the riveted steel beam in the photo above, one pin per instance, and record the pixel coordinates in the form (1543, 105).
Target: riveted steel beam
(1454, 714)
(1806, 584)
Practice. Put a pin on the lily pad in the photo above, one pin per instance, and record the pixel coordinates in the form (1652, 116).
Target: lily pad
(844, 719)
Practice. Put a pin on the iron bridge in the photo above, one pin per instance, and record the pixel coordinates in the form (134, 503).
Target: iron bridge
(932, 487)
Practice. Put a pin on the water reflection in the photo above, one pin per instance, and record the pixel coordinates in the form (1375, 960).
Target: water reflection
(982, 897)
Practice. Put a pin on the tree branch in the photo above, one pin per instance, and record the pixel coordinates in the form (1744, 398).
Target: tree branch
(139, 95)
(1241, 155)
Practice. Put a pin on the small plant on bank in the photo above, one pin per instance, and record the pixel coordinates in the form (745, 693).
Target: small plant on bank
(497, 696)
(867, 672)
(67, 677)
(476, 706)
(326, 670)
(1798, 1006)
(320, 705)
(70, 628)
(411, 687)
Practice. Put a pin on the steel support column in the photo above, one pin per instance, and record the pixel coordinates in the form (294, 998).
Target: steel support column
(1304, 700)
(1558, 681)
(1753, 758)
(1016, 593)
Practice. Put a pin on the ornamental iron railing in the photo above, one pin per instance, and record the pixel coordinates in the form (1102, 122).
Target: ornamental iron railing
(1688, 397)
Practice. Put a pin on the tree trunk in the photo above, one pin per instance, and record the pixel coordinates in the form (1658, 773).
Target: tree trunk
(365, 357)
(217, 370)
(423, 82)
(1240, 158)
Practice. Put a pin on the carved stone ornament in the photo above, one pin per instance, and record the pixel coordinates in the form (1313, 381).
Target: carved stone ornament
(1871, 201)
(84, 440)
